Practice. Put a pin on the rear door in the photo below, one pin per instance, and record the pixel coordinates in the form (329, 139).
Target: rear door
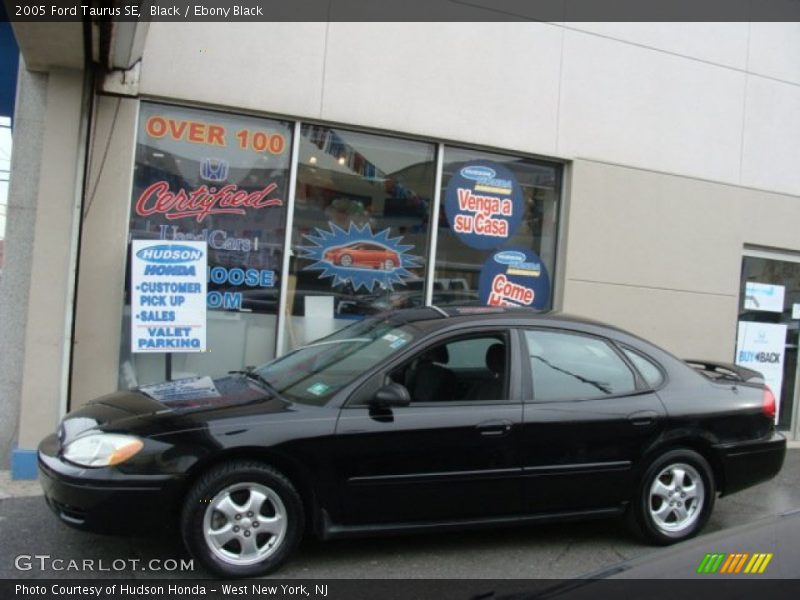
(588, 417)
(451, 454)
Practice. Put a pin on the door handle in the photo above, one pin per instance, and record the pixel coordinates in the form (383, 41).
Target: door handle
(643, 418)
(494, 428)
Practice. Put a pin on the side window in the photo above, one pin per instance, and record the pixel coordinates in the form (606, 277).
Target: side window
(465, 369)
(649, 371)
(567, 366)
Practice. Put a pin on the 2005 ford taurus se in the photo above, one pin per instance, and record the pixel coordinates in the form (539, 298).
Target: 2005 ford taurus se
(420, 420)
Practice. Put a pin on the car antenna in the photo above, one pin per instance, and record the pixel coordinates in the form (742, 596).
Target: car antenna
(439, 310)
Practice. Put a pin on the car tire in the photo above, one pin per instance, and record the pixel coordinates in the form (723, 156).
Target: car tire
(388, 265)
(242, 519)
(674, 498)
(346, 260)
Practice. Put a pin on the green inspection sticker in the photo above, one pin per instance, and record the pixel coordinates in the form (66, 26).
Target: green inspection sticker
(318, 388)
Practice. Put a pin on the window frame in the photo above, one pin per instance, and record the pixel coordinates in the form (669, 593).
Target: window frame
(529, 386)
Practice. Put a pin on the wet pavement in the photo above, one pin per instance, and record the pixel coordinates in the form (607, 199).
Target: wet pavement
(27, 527)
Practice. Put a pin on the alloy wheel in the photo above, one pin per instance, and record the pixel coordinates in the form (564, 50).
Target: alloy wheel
(676, 498)
(245, 523)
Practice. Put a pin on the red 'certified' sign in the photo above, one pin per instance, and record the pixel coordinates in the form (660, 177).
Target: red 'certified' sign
(202, 201)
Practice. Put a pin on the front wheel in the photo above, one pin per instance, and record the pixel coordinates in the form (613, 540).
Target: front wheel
(242, 519)
(674, 498)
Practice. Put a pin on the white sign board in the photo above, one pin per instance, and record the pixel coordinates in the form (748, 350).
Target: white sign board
(760, 346)
(168, 296)
(763, 296)
(796, 311)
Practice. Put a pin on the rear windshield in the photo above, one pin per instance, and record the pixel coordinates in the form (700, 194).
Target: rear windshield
(313, 373)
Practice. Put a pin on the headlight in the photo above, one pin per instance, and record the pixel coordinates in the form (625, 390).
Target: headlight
(102, 449)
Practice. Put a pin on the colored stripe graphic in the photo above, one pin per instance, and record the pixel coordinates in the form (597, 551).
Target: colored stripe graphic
(741, 562)
(767, 558)
(701, 568)
(729, 563)
(721, 562)
(759, 563)
(710, 563)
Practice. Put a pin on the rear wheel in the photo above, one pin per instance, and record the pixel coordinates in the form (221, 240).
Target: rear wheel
(242, 519)
(388, 264)
(346, 260)
(674, 498)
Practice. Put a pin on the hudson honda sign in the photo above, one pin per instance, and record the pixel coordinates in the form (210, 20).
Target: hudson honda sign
(168, 297)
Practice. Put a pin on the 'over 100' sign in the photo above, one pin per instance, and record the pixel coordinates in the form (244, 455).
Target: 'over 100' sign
(168, 296)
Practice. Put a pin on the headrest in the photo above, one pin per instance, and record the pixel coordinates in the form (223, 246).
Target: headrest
(496, 358)
(438, 355)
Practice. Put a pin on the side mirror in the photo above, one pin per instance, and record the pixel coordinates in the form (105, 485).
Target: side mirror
(391, 395)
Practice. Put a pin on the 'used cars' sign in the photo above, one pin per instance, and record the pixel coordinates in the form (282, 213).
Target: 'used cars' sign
(168, 296)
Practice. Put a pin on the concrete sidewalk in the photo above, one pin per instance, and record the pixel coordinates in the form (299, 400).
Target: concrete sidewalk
(17, 489)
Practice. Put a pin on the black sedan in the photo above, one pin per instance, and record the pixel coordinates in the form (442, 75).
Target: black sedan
(420, 420)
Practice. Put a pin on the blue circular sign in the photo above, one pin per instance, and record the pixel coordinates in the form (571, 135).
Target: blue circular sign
(483, 203)
(514, 277)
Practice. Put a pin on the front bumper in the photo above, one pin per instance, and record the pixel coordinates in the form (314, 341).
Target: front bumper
(105, 500)
(748, 463)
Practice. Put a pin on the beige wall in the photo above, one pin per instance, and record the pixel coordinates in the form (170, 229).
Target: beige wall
(101, 284)
(660, 255)
(46, 362)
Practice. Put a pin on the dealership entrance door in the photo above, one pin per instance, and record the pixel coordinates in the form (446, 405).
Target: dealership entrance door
(769, 303)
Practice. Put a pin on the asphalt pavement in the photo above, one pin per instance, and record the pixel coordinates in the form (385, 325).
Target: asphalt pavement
(27, 527)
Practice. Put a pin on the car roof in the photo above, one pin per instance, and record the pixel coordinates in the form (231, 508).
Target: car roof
(434, 317)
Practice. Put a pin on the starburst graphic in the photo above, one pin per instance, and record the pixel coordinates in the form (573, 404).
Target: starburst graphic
(338, 253)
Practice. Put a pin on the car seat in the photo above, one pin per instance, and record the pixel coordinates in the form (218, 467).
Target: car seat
(491, 389)
(430, 381)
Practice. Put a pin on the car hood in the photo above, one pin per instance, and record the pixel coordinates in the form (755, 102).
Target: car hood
(164, 399)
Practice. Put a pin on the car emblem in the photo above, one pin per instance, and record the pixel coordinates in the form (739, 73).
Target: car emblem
(214, 169)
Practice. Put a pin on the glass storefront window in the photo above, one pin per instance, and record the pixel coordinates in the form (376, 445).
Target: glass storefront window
(220, 178)
(497, 230)
(360, 230)
(768, 328)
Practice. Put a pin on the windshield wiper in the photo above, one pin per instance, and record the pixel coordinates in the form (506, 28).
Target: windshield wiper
(251, 373)
(329, 342)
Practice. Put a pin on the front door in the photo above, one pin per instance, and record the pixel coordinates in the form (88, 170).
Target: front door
(450, 454)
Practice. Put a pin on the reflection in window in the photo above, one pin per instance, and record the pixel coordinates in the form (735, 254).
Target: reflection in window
(360, 229)
(575, 367)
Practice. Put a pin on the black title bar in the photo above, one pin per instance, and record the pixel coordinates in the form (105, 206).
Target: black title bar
(404, 10)
(388, 589)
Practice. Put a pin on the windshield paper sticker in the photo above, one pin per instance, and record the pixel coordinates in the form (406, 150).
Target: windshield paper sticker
(360, 257)
(318, 388)
(514, 277)
(483, 202)
(193, 388)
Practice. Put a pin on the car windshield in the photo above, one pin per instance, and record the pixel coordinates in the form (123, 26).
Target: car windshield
(313, 373)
